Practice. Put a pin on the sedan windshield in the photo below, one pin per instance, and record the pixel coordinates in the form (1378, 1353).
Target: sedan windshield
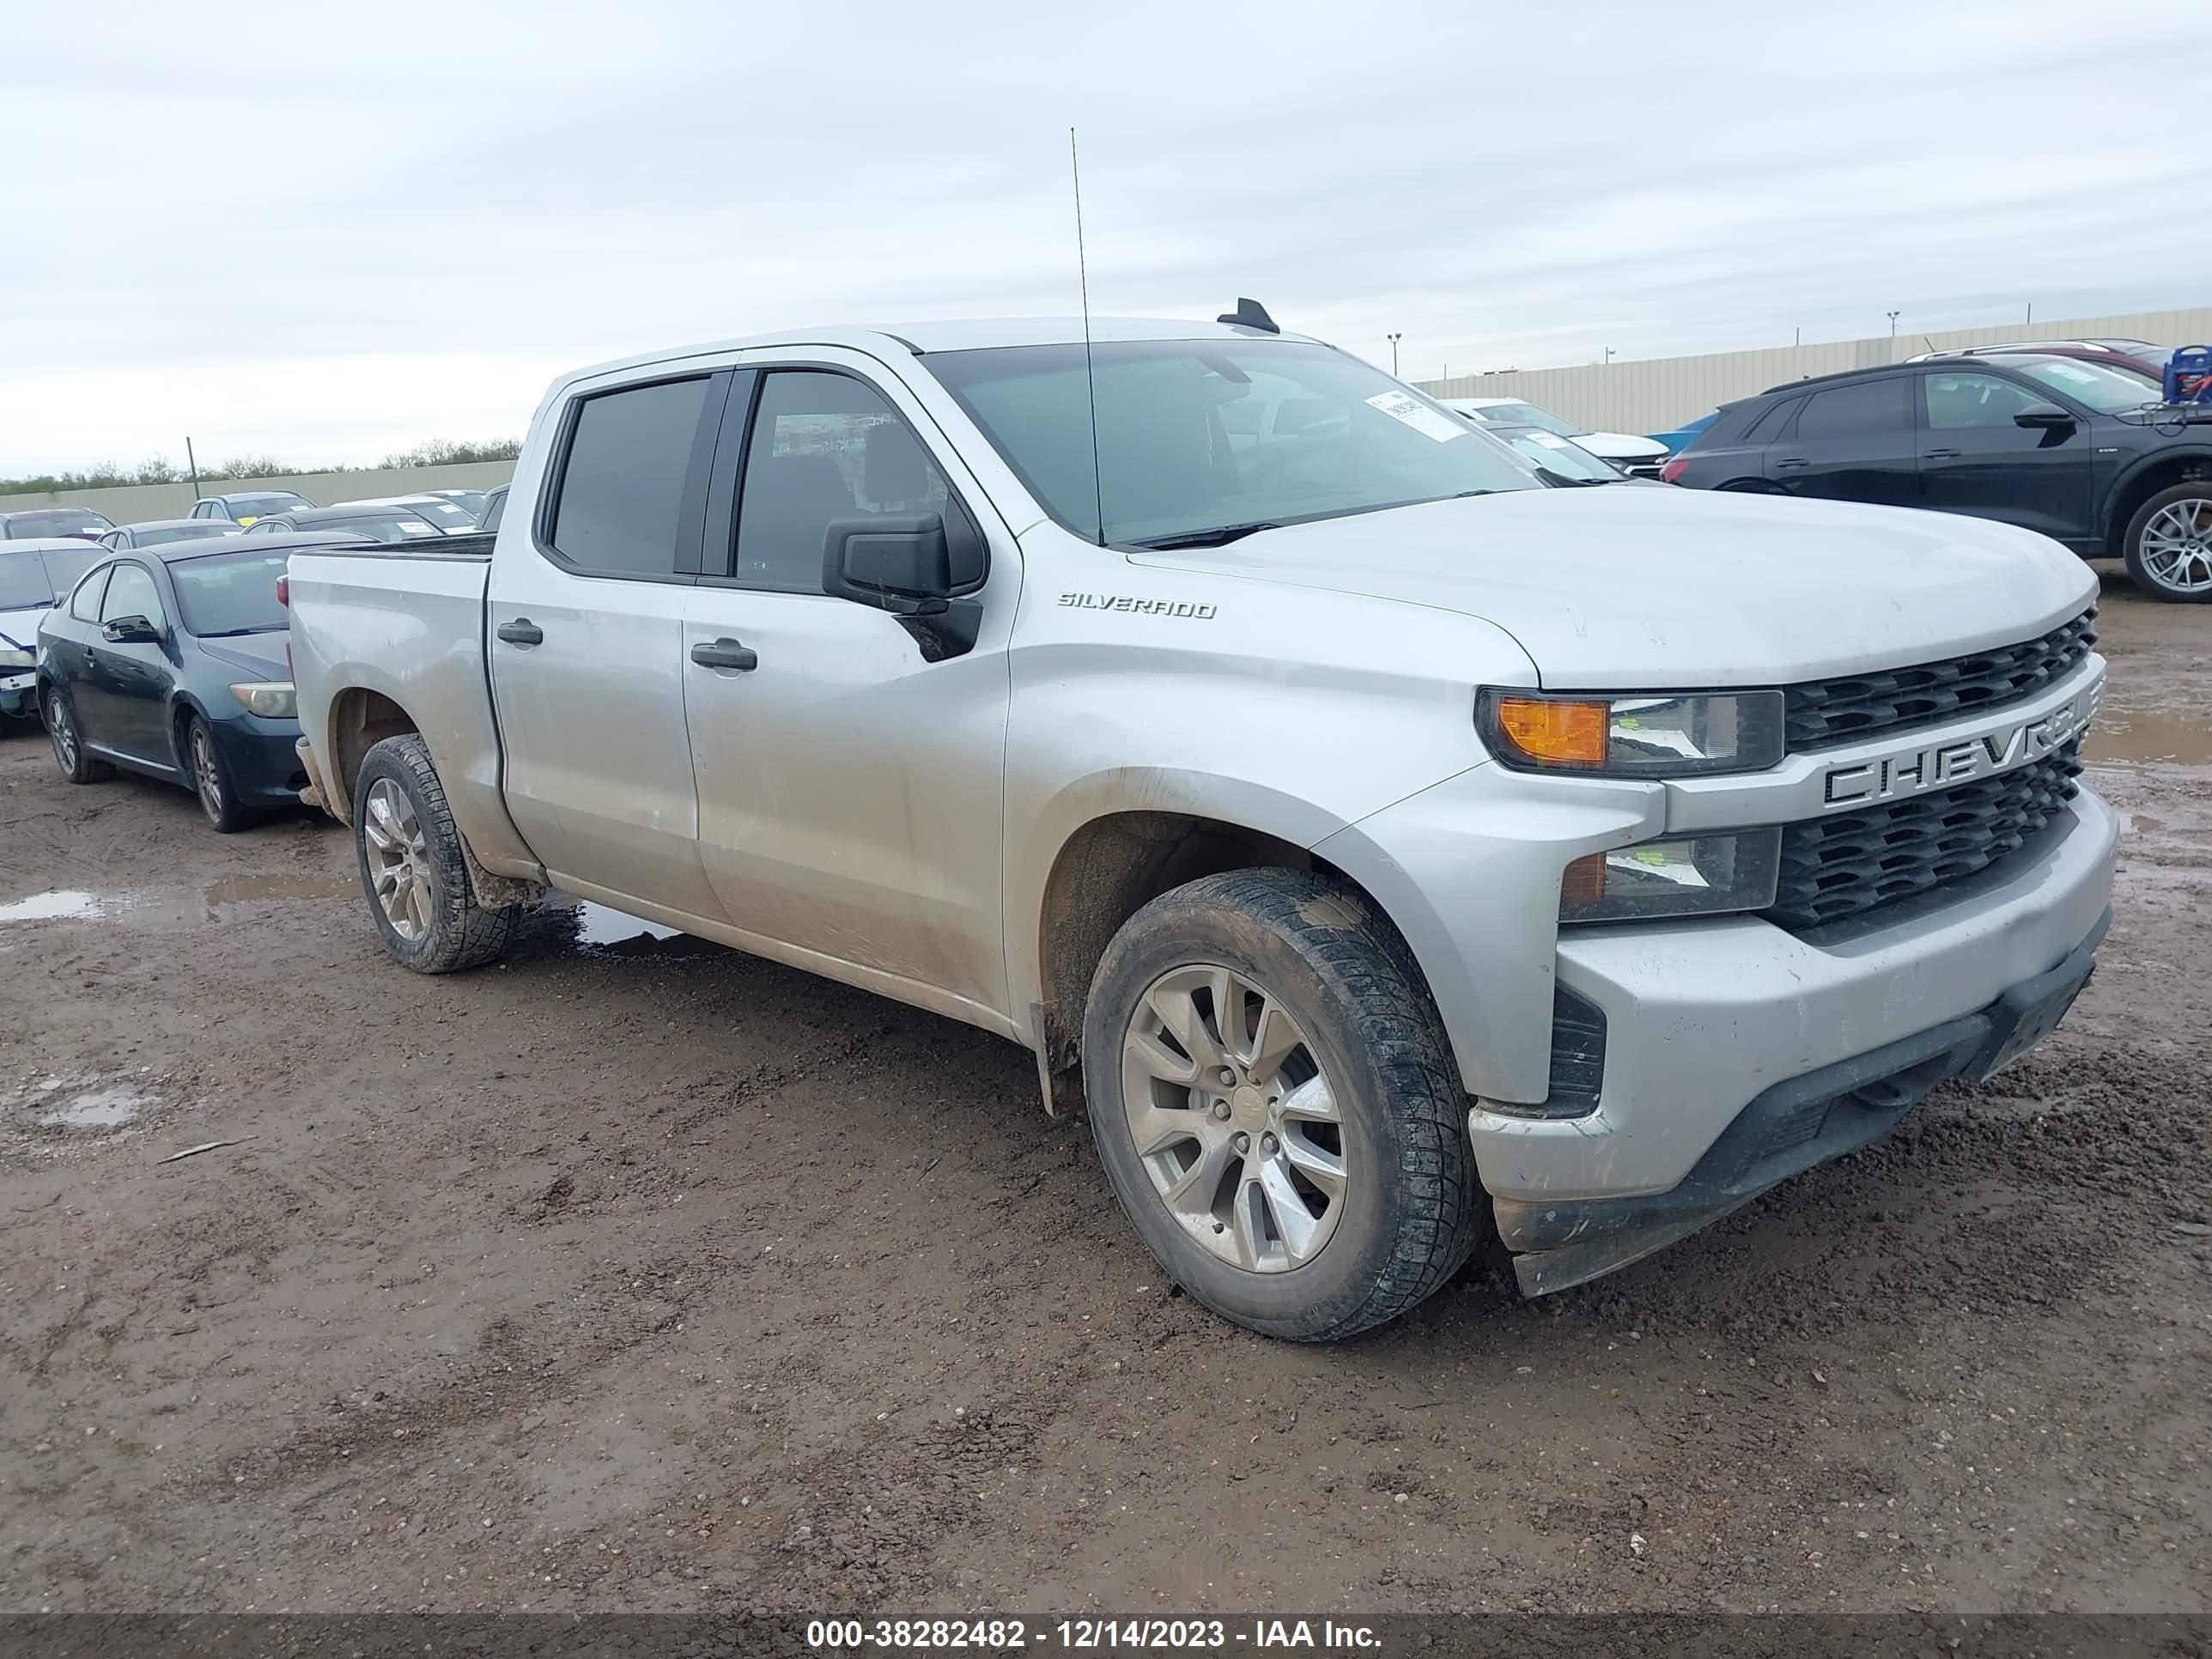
(1561, 457)
(2107, 391)
(1527, 415)
(229, 592)
(1202, 441)
(447, 515)
(393, 527)
(280, 501)
(24, 585)
(58, 521)
(181, 533)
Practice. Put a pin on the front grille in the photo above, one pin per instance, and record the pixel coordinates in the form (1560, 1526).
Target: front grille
(1820, 713)
(1854, 862)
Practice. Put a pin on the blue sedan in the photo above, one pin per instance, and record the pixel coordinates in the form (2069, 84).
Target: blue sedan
(170, 661)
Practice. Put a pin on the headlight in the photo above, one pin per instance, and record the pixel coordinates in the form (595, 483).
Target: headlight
(1681, 876)
(16, 657)
(1633, 736)
(272, 699)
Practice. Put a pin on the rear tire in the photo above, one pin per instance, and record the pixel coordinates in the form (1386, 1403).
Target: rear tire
(69, 753)
(212, 780)
(1304, 1170)
(413, 868)
(2168, 545)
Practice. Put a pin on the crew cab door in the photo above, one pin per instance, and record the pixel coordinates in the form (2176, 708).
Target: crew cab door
(1852, 442)
(849, 765)
(585, 624)
(1973, 458)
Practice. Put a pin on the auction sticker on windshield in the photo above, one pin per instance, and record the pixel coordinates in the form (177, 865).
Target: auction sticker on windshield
(1429, 423)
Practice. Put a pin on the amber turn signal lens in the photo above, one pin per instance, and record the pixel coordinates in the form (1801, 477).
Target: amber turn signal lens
(1555, 732)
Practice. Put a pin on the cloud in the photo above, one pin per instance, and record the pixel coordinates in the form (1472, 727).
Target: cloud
(326, 235)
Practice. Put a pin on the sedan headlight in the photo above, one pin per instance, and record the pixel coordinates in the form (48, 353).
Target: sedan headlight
(14, 656)
(1644, 735)
(272, 699)
(1679, 876)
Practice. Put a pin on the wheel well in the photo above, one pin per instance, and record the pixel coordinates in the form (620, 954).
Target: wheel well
(2159, 475)
(1749, 486)
(1108, 870)
(180, 716)
(360, 719)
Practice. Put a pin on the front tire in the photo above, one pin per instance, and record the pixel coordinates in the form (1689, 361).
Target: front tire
(1274, 1102)
(76, 764)
(2168, 545)
(414, 870)
(212, 780)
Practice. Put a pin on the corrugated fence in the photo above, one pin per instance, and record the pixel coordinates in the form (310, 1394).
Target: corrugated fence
(1663, 392)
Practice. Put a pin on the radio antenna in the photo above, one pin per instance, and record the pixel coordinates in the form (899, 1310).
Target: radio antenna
(1090, 375)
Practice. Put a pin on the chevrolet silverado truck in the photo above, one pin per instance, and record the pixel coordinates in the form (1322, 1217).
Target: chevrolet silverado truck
(1382, 842)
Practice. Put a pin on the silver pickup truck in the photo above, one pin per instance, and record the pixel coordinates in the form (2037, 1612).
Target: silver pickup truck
(1385, 838)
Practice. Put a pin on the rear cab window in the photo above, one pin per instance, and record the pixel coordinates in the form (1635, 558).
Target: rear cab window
(623, 505)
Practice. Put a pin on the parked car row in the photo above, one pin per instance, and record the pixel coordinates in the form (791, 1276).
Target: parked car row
(2079, 450)
(448, 512)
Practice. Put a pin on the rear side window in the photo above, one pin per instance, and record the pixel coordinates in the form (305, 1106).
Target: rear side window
(1858, 410)
(621, 508)
(826, 446)
(1771, 424)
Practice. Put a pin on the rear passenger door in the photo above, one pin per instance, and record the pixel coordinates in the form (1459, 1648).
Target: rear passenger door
(1852, 442)
(586, 612)
(851, 774)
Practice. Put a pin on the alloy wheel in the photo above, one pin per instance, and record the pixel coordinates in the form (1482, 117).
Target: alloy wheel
(1233, 1118)
(398, 859)
(63, 730)
(205, 777)
(2176, 548)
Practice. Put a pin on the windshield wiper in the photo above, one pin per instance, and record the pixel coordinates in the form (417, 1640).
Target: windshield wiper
(1561, 481)
(233, 633)
(1220, 536)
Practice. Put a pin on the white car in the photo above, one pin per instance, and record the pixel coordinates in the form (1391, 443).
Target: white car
(1638, 457)
(33, 577)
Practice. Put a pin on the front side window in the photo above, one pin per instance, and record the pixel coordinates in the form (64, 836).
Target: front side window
(131, 592)
(226, 593)
(1858, 411)
(621, 504)
(84, 603)
(1177, 460)
(823, 447)
(1960, 401)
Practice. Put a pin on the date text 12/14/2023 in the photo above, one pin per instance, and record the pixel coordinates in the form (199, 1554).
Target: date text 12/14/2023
(1089, 1635)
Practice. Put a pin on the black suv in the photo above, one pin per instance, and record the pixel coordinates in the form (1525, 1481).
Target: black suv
(2078, 451)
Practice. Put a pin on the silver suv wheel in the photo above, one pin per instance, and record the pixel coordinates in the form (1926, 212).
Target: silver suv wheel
(2175, 545)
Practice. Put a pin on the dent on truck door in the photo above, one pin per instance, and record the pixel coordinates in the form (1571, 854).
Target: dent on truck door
(586, 640)
(850, 786)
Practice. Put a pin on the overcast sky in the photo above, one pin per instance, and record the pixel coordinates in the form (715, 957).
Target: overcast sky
(324, 233)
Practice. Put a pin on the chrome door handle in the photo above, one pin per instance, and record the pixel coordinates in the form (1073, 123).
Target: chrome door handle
(725, 653)
(522, 631)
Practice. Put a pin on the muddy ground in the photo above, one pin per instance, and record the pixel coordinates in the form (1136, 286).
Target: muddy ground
(650, 1275)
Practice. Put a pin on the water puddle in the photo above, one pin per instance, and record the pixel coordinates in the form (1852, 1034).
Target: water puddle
(2126, 737)
(261, 890)
(52, 907)
(98, 1109)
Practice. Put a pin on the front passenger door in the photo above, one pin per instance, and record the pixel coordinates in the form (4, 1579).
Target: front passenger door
(1852, 442)
(1974, 459)
(851, 778)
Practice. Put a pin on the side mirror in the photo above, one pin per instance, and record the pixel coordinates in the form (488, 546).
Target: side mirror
(895, 561)
(2048, 417)
(131, 630)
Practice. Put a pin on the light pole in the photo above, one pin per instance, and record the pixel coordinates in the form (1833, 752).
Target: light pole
(1893, 316)
(1608, 357)
(1393, 339)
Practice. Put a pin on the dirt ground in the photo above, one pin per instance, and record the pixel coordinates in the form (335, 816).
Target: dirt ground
(647, 1275)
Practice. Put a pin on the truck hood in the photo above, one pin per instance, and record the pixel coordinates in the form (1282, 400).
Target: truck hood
(1615, 587)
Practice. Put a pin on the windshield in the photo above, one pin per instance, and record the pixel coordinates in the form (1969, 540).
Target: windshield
(1527, 415)
(57, 521)
(24, 584)
(280, 501)
(180, 533)
(229, 592)
(394, 527)
(2107, 391)
(1560, 455)
(446, 515)
(1196, 437)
